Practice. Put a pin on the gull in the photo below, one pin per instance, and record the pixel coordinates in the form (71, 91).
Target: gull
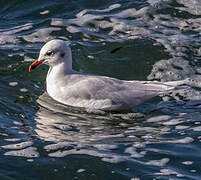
(90, 91)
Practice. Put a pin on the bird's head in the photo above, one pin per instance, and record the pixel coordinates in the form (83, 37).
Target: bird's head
(53, 53)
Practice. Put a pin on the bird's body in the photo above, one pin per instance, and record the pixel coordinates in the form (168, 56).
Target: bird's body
(92, 91)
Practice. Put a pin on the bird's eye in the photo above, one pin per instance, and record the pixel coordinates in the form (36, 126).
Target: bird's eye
(62, 55)
(49, 53)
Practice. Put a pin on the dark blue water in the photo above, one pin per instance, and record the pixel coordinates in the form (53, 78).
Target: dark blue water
(132, 39)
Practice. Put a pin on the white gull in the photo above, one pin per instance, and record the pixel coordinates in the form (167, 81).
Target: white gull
(92, 91)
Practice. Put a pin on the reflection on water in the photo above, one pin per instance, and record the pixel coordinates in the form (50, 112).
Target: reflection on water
(74, 128)
(151, 139)
(57, 122)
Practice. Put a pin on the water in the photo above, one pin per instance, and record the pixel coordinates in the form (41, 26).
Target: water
(133, 39)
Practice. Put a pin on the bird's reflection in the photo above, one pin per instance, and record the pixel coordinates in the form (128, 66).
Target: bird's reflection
(77, 131)
(57, 122)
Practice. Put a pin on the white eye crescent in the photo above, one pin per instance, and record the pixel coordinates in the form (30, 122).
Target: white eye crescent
(49, 53)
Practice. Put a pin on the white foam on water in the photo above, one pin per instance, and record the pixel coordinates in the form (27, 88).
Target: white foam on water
(169, 70)
(28, 59)
(159, 3)
(110, 8)
(167, 172)
(30, 152)
(187, 163)
(8, 36)
(24, 90)
(105, 147)
(42, 35)
(91, 57)
(181, 127)
(133, 153)
(83, 20)
(30, 160)
(173, 122)
(113, 159)
(112, 136)
(56, 146)
(13, 83)
(198, 128)
(58, 22)
(139, 144)
(105, 157)
(185, 140)
(18, 145)
(97, 128)
(193, 7)
(12, 139)
(73, 29)
(81, 170)
(159, 118)
(161, 162)
(17, 29)
(126, 13)
(9, 39)
(45, 12)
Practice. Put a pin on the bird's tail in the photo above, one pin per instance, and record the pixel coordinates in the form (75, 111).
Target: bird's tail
(188, 82)
(178, 83)
(162, 87)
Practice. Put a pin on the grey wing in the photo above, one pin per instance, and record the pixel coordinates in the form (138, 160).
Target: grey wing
(130, 94)
(109, 93)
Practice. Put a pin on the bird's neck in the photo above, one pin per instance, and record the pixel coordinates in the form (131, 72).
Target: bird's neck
(56, 78)
(58, 72)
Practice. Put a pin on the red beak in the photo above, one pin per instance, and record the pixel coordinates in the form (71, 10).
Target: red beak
(35, 64)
